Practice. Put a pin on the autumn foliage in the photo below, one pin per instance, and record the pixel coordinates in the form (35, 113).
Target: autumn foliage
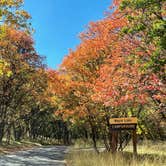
(117, 70)
(112, 72)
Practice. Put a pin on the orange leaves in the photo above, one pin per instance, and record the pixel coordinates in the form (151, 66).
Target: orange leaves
(16, 39)
(118, 80)
(99, 36)
(105, 69)
(57, 82)
(98, 69)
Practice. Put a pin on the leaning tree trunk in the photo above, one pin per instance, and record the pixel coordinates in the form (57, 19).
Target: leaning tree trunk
(109, 133)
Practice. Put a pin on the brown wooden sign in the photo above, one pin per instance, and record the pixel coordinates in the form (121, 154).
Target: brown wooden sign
(123, 127)
(131, 120)
(123, 123)
(117, 124)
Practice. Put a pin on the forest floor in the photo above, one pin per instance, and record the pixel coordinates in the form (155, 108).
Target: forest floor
(37, 156)
(149, 154)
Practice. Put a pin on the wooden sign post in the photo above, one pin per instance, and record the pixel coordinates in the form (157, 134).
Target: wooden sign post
(118, 124)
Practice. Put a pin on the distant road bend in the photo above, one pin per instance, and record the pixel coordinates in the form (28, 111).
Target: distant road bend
(42, 156)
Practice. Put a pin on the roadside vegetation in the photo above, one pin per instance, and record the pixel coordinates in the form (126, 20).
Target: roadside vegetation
(149, 154)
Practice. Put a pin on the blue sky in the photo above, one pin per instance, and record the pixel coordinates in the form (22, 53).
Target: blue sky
(57, 24)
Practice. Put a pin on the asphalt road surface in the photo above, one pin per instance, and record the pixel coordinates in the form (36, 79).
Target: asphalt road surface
(43, 156)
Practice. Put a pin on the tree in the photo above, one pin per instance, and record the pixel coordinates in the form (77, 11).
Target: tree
(12, 14)
(107, 76)
(23, 83)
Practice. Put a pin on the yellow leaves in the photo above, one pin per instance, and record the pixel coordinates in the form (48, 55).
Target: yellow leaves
(140, 129)
(11, 14)
(2, 31)
(4, 2)
(54, 100)
(23, 13)
(5, 69)
(1, 72)
(9, 73)
(11, 3)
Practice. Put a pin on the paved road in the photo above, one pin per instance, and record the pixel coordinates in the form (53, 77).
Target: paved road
(43, 156)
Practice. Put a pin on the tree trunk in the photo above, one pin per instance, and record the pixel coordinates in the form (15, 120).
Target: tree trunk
(66, 135)
(109, 133)
(93, 130)
(105, 142)
(8, 134)
(2, 128)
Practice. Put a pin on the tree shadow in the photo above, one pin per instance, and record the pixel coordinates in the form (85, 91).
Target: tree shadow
(39, 156)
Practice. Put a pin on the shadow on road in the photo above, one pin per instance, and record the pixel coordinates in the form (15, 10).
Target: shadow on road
(45, 156)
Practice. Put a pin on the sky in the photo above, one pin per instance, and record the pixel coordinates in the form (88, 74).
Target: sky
(57, 24)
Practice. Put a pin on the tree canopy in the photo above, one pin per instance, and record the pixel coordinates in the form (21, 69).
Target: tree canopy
(117, 70)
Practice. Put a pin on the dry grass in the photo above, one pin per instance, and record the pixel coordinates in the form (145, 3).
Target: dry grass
(148, 155)
(80, 143)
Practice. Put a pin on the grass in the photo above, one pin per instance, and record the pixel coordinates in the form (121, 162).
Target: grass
(149, 154)
(80, 143)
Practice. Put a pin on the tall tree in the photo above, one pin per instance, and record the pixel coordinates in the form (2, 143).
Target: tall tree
(23, 83)
(22, 75)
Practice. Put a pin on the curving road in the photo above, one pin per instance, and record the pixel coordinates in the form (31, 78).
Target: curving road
(43, 156)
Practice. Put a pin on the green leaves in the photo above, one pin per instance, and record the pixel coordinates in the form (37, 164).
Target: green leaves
(147, 22)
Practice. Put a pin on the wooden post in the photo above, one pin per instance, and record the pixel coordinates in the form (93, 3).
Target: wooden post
(114, 141)
(134, 143)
